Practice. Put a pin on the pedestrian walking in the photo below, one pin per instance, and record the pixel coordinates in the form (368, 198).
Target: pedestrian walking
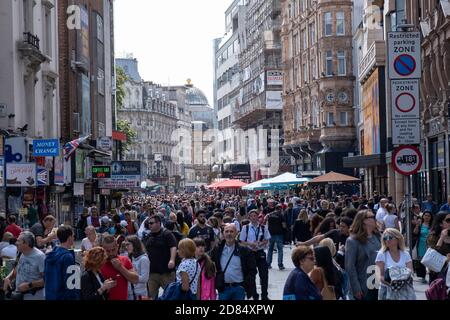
(361, 249)
(256, 237)
(61, 271)
(141, 263)
(207, 286)
(395, 268)
(93, 284)
(298, 285)
(161, 248)
(236, 267)
(276, 225)
(118, 268)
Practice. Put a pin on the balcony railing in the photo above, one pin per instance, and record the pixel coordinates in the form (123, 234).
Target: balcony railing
(33, 40)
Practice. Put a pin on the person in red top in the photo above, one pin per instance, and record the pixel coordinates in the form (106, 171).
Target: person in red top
(118, 268)
(13, 227)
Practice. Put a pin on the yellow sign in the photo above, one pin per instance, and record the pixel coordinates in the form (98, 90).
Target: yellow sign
(371, 115)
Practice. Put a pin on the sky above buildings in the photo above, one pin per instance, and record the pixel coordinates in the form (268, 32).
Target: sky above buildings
(172, 39)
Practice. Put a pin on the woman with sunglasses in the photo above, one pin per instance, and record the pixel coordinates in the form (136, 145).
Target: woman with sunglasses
(439, 239)
(298, 285)
(393, 255)
(361, 249)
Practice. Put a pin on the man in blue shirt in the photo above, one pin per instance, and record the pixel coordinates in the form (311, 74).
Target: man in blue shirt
(429, 204)
(446, 207)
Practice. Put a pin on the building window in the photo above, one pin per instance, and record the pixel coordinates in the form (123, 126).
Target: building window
(312, 33)
(340, 23)
(330, 119)
(328, 24)
(329, 64)
(304, 40)
(341, 63)
(343, 118)
(313, 68)
(315, 113)
(305, 72)
(294, 44)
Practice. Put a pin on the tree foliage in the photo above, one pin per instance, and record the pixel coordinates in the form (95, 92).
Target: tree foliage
(125, 127)
(121, 78)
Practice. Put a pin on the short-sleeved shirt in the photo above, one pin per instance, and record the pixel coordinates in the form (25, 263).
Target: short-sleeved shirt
(389, 262)
(30, 267)
(14, 229)
(158, 247)
(120, 291)
(250, 233)
(275, 222)
(192, 268)
(86, 244)
(206, 233)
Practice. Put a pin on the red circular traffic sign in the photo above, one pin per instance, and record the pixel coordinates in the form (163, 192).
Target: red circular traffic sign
(407, 160)
(405, 102)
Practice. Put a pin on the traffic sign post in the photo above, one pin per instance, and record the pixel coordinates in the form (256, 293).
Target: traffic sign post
(405, 66)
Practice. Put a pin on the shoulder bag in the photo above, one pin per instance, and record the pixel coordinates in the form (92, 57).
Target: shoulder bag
(220, 276)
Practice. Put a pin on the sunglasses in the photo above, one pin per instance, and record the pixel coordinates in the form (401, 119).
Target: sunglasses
(388, 238)
(447, 220)
(151, 223)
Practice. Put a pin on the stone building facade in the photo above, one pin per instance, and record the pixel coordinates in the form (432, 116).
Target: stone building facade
(318, 81)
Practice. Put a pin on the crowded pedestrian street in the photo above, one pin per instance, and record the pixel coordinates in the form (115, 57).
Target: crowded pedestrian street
(255, 151)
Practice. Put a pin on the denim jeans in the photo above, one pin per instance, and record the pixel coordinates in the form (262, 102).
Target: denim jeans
(232, 293)
(278, 239)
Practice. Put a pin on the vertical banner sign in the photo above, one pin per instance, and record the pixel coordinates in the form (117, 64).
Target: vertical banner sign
(405, 67)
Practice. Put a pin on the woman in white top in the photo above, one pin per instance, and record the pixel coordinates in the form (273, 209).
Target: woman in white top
(141, 264)
(88, 242)
(391, 220)
(188, 271)
(394, 256)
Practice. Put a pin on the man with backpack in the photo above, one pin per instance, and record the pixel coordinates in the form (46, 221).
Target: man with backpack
(161, 248)
(256, 238)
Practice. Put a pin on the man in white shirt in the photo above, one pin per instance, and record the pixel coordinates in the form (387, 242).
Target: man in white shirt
(381, 213)
(256, 237)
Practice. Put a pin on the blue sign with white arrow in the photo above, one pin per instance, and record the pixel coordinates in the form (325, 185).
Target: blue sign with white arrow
(46, 148)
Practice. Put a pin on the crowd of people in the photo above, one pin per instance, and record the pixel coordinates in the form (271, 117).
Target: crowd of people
(211, 245)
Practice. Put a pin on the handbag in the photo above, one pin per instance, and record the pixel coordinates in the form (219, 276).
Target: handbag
(433, 260)
(174, 292)
(328, 292)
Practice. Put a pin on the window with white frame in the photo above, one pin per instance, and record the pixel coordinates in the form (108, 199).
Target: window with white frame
(312, 33)
(305, 72)
(342, 69)
(315, 113)
(343, 118)
(330, 119)
(328, 24)
(329, 64)
(340, 23)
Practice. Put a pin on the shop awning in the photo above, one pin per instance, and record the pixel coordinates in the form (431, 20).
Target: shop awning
(334, 178)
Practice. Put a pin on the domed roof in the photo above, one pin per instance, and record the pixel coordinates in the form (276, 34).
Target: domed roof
(195, 96)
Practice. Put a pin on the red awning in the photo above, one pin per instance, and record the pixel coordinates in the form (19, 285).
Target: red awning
(232, 184)
(119, 136)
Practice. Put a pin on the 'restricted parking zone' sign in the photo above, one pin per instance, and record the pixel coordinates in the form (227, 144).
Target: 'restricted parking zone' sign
(404, 55)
